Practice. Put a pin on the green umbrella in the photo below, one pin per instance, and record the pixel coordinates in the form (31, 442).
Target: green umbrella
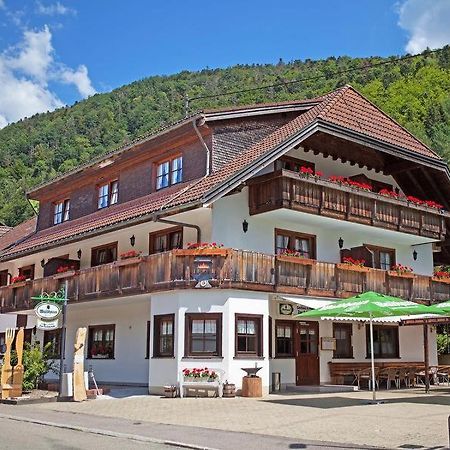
(441, 308)
(369, 305)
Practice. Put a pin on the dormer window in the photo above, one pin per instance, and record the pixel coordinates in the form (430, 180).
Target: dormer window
(108, 194)
(169, 172)
(61, 212)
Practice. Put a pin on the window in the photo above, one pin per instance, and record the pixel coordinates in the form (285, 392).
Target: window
(248, 338)
(284, 339)
(294, 164)
(305, 244)
(27, 272)
(385, 341)
(163, 241)
(104, 254)
(164, 336)
(169, 172)
(2, 343)
(203, 335)
(108, 194)
(342, 332)
(61, 212)
(101, 342)
(3, 277)
(53, 338)
(383, 258)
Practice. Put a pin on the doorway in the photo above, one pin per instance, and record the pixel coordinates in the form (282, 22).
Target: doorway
(307, 371)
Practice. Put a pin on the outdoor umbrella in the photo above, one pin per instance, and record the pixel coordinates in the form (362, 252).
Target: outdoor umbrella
(369, 305)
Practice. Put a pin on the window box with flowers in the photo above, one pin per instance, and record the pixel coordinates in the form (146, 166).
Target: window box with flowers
(19, 281)
(442, 275)
(309, 172)
(129, 258)
(354, 265)
(293, 256)
(65, 272)
(202, 248)
(401, 271)
(199, 375)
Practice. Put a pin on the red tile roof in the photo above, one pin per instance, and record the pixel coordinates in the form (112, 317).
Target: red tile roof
(344, 107)
(18, 233)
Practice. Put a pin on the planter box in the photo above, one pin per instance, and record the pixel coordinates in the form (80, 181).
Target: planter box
(128, 261)
(296, 260)
(202, 251)
(19, 284)
(68, 274)
(352, 268)
(394, 274)
(199, 380)
(441, 280)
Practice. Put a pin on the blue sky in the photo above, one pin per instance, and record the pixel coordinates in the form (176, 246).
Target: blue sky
(56, 52)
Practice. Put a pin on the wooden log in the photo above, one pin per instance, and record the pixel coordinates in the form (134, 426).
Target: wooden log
(79, 387)
(251, 387)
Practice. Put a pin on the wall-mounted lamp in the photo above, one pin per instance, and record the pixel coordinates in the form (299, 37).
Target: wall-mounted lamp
(341, 243)
(132, 240)
(79, 253)
(245, 226)
(415, 255)
(42, 262)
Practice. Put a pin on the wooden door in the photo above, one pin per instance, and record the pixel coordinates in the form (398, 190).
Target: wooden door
(307, 353)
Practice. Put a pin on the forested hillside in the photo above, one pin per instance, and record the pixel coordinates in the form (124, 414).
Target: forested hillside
(415, 92)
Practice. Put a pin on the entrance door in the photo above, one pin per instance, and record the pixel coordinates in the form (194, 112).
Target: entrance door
(307, 353)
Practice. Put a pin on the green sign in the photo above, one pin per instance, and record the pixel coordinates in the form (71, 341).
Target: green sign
(58, 296)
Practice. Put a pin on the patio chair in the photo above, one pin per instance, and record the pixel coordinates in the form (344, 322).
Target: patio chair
(388, 374)
(402, 375)
(366, 374)
(443, 375)
(411, 377)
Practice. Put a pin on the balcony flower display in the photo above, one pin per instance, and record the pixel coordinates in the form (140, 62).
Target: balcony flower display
(101, 351)
(349, 182)
(130, 254)
(442, 274)
(353, 262)
(309, 172)
(18, 279)
(389, 193)
(199, 374)
(63, 269)
(401, 269)
(294, 256)
(203, 245)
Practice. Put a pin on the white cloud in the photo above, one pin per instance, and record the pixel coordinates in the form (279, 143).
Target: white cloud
(27, 69)
(80, 79)
(54, 9)
(2, 4)
(427, 23)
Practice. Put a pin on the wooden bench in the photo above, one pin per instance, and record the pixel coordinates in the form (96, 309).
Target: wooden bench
(340, 370)
(217, 384)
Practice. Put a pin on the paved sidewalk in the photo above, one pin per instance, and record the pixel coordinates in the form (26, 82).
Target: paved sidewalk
(408, 419)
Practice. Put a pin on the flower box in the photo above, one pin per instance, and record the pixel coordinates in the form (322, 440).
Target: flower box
(445, 280)
(67, 274)
(202, 251)
(199, 380)
(353, 267)
(128, 261)
(18, 284)
(393, 273)
(100, 357)
(297, 260)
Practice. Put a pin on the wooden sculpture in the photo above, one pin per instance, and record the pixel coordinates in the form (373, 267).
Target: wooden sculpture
(7, 373)
(17, 376)
(79, 387)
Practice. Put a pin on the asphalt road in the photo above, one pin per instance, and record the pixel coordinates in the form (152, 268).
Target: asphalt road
(23, 435)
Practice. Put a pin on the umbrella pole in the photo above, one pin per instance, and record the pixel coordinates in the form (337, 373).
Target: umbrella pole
(372, 358)
(426, 358)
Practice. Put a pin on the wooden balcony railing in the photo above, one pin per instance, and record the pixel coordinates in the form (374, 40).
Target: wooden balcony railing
(235, 269)
(287, 189)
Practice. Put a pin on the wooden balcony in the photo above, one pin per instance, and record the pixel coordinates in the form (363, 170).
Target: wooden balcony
(235, 269)
(286, 189)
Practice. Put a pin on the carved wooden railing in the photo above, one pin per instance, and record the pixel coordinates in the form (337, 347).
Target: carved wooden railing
(287, 189)
(236, 269)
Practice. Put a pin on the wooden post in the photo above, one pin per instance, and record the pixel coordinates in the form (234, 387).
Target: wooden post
(426, 357)
(79, 387)
(17, 371)
(6, 378)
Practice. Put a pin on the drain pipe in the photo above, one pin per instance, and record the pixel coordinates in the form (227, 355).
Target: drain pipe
(182, 224)
(202, 121)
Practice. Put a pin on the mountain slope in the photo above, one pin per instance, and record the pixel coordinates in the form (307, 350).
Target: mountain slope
(415, 92)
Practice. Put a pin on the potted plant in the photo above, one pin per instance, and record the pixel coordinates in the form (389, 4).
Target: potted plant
(65, 271)
(402, 271)
(129, 257)
(199, 375)
(203, 248)
(294, 256)
(352, 264)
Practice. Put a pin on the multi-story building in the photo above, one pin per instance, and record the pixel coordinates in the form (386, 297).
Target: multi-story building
(290, 190)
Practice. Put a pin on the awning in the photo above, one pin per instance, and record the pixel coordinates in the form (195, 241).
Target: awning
(388, 319)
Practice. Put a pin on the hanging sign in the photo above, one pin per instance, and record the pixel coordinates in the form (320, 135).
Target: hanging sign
(202, 271)
(47, 325)
(47, 310)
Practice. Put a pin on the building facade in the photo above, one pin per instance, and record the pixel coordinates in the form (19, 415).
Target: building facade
(197, 246)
